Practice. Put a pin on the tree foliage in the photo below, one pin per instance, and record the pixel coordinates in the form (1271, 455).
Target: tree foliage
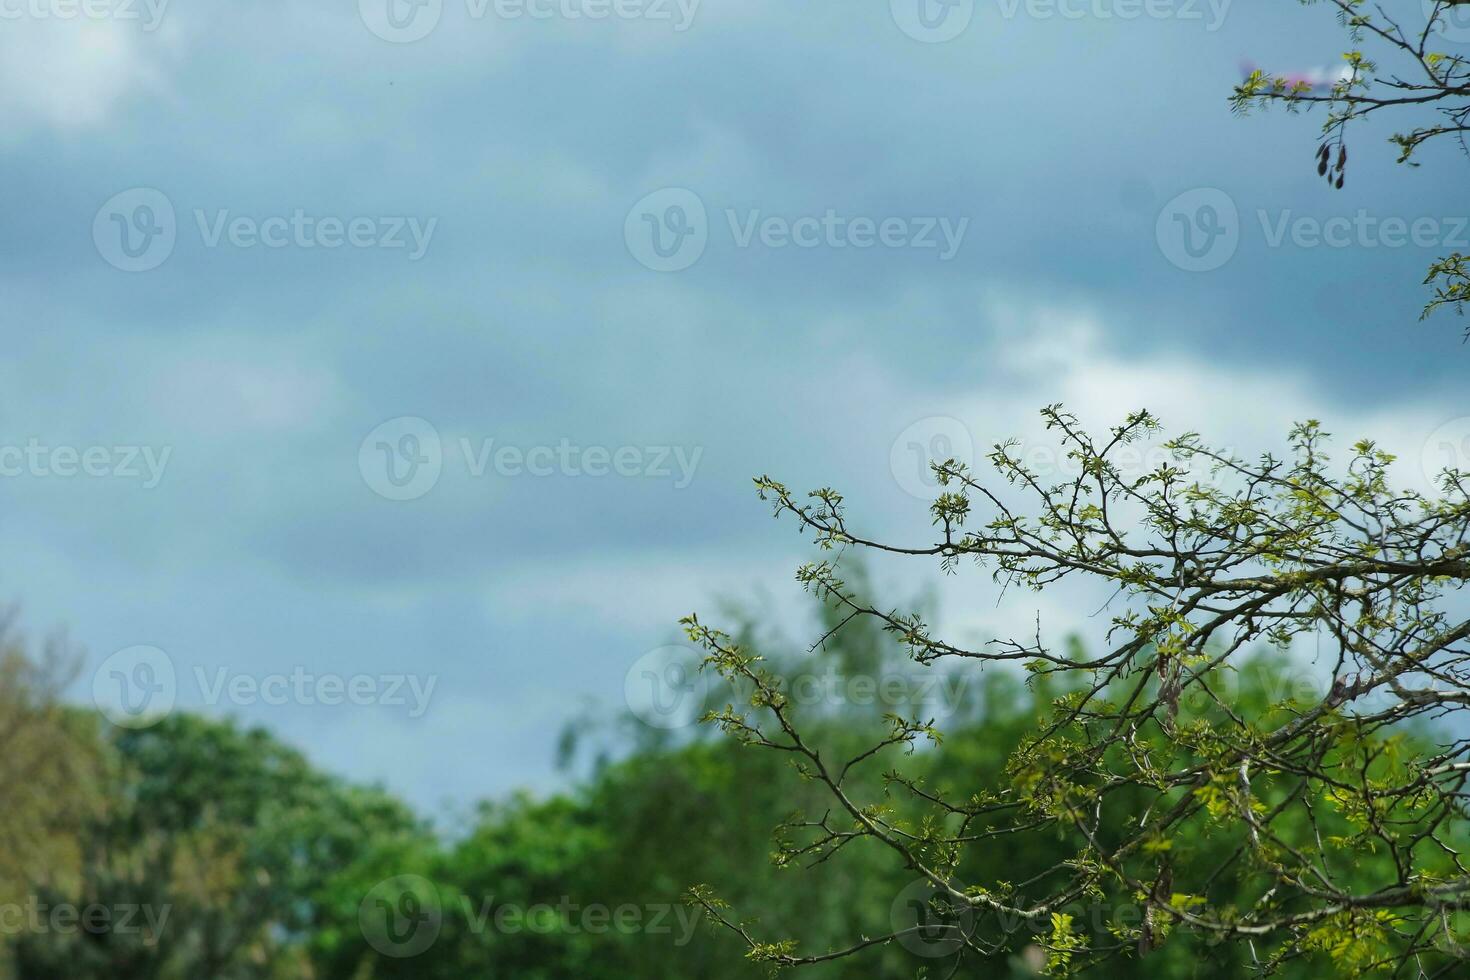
(50, 770)
(1397, 66)
(1333, 821)
(219, 853)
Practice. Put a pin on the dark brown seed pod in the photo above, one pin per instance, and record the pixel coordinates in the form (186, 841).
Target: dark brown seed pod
(1322, 166)
(1342, 156)
(1322, 152)
(1339, 180)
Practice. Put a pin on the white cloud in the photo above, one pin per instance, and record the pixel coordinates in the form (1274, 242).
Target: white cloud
(1247, 411)
(1051, 355)
(71, 74)
(1041, 355)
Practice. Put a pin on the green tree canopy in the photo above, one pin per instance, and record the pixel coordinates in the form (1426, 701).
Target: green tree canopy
(1334, 821)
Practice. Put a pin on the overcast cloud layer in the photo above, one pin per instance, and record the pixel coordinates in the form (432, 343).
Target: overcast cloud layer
(239, 238)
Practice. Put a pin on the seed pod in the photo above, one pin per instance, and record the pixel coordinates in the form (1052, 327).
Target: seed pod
(1342, 156)
(1322, 167)
(1322, 152)
(1339, 180)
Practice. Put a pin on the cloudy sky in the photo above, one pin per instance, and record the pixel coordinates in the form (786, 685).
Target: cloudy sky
(432, 348)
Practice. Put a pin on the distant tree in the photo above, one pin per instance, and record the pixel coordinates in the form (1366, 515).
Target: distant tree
(251, 864)
(1333, 820)
(51, 771)
(1398, 66)
(227, 853)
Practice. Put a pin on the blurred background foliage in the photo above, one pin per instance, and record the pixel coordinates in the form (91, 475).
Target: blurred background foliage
(254, 864)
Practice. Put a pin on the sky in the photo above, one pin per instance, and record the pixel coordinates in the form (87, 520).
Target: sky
(394, 377)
